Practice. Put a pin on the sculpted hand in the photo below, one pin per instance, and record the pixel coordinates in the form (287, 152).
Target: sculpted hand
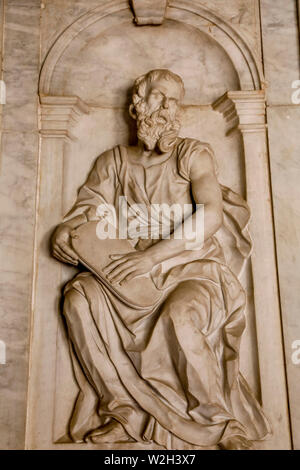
(61, 248)
(129, 266)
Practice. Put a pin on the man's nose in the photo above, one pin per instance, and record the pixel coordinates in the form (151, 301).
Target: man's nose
(166, 102)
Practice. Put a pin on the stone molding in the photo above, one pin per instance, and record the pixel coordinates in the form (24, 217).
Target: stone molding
(59, 114)
(243, 110)
(149, 11)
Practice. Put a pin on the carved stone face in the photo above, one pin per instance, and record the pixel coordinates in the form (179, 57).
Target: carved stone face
(158, 115)
(163, 94)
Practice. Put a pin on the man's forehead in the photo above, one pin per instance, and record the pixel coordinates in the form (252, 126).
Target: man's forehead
(169, 88)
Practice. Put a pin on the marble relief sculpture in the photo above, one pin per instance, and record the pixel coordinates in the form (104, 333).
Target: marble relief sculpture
(155, 325)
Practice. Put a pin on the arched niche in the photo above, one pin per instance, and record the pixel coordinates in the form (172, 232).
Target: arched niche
(109, 56)
(113, 13)
(83, 90)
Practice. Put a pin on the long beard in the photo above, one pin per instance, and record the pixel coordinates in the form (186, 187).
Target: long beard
(158, 130)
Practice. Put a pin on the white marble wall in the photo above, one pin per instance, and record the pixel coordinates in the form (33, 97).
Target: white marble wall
(18, 179)
(28, 28)
(280, 37)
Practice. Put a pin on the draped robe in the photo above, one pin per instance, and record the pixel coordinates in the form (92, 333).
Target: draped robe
(169, 373)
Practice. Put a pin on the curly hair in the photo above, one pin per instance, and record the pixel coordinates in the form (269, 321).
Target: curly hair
(160, 127)
(141, 84)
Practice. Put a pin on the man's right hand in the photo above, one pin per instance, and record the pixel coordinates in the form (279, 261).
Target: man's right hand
(61, 245)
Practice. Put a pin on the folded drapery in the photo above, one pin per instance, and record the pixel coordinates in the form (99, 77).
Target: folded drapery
(168, 372)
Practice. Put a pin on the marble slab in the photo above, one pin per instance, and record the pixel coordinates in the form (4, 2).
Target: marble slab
(18, 183)
(30, 29)
(280, 35)
(284, 144)
(17, 202)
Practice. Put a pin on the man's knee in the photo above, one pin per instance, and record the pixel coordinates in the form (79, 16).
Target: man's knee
(70, 298)
(189, 299)
(73, 303)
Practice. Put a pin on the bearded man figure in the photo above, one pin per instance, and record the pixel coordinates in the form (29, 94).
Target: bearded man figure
(167, 373)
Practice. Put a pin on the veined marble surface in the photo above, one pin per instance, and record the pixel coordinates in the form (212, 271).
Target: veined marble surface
(285, 170)
(280, 36)
(30, 28)
(18, 180)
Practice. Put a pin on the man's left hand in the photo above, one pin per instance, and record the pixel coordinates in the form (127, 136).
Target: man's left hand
(126, 267)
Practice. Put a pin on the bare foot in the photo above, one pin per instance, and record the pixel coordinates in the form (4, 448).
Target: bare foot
(236, 443)
(110, 433)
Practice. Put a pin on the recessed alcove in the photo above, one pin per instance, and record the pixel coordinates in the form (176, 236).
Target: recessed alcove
(100, 66)
(96, 61)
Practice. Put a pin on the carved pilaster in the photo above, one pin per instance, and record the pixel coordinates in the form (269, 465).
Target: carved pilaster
(243, 110)
(149, 11)
(59, 114)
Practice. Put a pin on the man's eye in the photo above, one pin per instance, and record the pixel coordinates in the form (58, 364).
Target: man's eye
(157, 94)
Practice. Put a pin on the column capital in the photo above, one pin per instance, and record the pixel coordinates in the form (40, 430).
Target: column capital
(59, 114)
(243, 110)
(149, 11)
